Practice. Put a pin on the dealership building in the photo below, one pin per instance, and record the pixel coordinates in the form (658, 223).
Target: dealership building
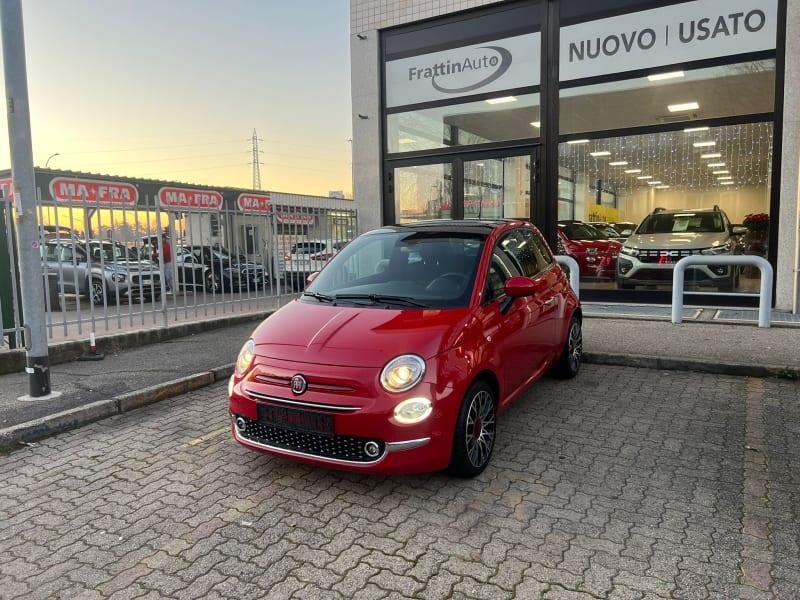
(610, 111)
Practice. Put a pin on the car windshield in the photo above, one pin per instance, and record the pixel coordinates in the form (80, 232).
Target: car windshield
(402, 269)
(702, 222)
(607, 230)
(582, 231)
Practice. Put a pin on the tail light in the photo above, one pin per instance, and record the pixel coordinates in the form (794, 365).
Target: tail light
(287, 257)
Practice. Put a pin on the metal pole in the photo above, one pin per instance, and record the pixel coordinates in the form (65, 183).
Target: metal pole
(19, 138)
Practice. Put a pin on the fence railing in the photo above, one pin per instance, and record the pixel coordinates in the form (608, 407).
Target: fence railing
(115, 266)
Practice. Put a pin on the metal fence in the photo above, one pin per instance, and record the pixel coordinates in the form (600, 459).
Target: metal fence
(111, 265)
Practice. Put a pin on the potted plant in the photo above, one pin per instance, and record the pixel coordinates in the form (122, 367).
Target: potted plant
(757, 225)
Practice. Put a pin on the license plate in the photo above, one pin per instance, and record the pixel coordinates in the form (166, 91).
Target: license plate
(292, 418)
(146, 280)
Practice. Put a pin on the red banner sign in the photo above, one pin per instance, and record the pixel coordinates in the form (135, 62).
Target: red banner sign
(254, 203)
(93, 191)
(295, 219)
(7, 188)
(186, 199)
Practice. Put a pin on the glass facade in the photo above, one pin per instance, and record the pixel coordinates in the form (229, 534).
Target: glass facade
(663, 145)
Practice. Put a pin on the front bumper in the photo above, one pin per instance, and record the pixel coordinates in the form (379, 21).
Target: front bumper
(632, 271)
(401, 448)
(338, 451)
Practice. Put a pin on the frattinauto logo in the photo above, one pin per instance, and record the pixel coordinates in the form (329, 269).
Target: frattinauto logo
(495, 64)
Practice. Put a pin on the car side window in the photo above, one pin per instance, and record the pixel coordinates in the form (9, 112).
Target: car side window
(504, 264)
(51, 252)
(518, 246)
(544, 258)
(66, 254)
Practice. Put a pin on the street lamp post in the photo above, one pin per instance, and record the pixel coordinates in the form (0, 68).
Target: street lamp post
(47, 162)
(26, 221)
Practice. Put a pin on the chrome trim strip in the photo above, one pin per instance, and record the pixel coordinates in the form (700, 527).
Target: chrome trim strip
(257, 396)
(279, 450)
(406, 445)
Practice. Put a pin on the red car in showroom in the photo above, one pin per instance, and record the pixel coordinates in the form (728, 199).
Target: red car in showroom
(402, 351)
(595, 253)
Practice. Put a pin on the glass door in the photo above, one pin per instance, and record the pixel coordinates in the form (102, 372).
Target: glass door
(423, 192)
(485, 185)
(498, 187)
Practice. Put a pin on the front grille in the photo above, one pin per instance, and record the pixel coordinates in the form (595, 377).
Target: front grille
(338, 447)
(156, 279)
(666, 256)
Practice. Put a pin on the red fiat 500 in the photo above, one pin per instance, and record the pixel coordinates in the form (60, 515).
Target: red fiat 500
(595, 253)
(403, 350)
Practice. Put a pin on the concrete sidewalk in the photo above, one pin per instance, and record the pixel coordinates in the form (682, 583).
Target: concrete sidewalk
(706, 343)
(709, 347)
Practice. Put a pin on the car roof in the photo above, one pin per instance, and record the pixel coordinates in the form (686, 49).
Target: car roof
(676, 211)
(453, 226)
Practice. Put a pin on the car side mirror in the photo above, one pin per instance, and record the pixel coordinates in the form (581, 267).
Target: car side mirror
(738, 230)
(310, 279)
(518, 287)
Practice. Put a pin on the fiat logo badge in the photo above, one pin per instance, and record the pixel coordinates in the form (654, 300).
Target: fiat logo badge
(299, 384)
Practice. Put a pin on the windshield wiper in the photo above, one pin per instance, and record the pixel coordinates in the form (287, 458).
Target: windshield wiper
(320, 297)
(382, 299)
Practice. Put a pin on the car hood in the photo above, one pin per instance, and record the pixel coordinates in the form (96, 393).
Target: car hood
(130, 266)
(600, 245)
(347, 335)
(676, 241)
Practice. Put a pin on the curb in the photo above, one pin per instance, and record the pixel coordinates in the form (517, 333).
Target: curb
(690, 364)
(12, 437)
(64, 352)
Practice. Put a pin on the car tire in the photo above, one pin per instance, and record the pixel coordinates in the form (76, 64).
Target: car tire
(569, 363)
(212, 284)
(472, 448)
(97, 291)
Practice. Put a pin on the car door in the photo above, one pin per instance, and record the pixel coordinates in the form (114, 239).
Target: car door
(552, 294)
(508, 323)
(69, 264)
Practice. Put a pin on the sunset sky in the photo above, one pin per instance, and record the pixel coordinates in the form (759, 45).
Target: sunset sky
(173, 90)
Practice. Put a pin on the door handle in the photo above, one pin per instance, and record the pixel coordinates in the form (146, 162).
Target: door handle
(550, 301)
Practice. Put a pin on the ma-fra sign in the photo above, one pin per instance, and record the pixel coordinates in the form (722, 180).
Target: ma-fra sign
(173, 198)
(492, 66)
(254, 203)
(93, 191)
(670, 35)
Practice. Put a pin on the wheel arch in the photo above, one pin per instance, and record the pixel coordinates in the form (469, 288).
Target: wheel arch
(490, 378)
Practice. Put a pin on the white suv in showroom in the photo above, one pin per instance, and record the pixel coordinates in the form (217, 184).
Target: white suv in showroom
(649, 255)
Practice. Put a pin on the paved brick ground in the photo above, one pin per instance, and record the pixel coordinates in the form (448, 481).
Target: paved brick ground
(624, 483)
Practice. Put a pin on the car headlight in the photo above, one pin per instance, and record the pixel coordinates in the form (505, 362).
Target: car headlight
(723, 249)
(246, 356)
(118, 277)
(629, 251)
(402, 373)
(413, 410)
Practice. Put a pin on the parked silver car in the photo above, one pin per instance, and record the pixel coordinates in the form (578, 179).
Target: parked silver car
(107, 271)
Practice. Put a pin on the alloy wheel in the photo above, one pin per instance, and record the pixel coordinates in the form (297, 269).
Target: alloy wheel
(480, 428)
(575, 345)
(97, 291)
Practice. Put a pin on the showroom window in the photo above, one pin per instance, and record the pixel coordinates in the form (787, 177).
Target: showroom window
(670, 96)
(497, 119)
(666, 148)
(691, 180)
